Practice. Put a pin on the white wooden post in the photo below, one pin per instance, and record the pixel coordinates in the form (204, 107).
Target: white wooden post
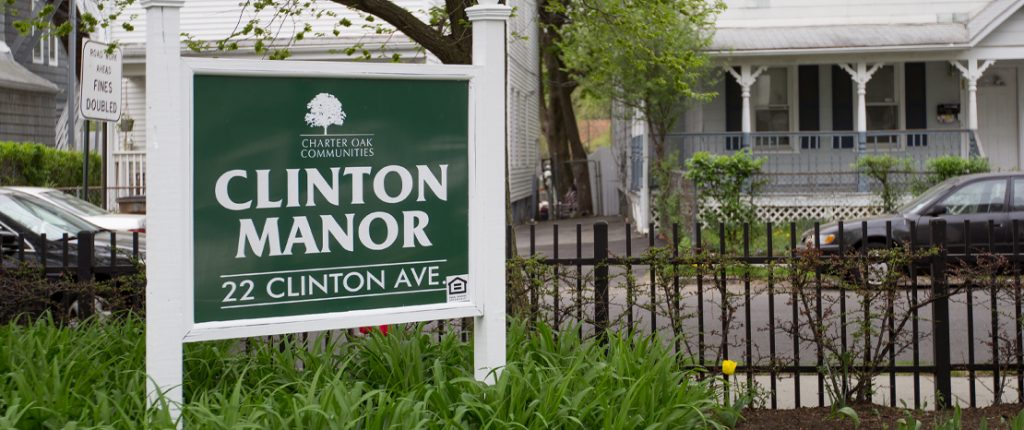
(861, 74)
(746, 79)
(489, 52)
(167, 208)
(972, 73)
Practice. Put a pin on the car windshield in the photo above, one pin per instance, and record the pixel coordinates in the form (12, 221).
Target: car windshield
(74, 204)
(42, 217)
(919, 202)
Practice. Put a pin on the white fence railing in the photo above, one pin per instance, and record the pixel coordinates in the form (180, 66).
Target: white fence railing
(128, 173)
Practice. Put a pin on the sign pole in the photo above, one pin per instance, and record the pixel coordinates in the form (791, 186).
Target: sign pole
(103, 166)
(85, 159)
(488, 229)
(72, 73)
(167, 207)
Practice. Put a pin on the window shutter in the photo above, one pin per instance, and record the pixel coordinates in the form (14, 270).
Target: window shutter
(733, 111)
(916, 104)
(842, 107)
(810, 108)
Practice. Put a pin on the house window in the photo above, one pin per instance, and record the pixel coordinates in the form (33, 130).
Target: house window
(770, 100)
(54, 50)
(39, 50)
(883, 105)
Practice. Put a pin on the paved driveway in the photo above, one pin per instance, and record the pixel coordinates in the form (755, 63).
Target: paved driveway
(544, 238)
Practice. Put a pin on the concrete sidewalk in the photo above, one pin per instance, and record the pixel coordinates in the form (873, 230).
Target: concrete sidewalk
(785, 390)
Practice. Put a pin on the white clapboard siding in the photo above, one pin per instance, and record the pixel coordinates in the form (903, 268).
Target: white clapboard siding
(523, 99)
(766, 13)
(134, 103)
(61, 129)
(1009, 34)
(216, 19)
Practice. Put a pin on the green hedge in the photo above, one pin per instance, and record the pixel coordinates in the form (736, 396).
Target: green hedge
(950, 166)
(32, 164)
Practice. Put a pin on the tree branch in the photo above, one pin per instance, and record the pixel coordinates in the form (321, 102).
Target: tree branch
(447, 50)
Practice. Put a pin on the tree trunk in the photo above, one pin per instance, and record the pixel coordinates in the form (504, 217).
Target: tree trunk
(568, 157)
(558, 150)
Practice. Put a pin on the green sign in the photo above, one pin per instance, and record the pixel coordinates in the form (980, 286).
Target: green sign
(320, 195)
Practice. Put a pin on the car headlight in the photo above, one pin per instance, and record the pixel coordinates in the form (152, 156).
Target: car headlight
(826, 239)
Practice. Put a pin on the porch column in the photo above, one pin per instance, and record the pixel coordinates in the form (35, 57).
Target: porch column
(745, 78)
(861, 74)
(972, 73)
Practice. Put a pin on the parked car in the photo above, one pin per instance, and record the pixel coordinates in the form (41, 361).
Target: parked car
(980, 198)
(977, 199)
(26, 220)
(88, 211)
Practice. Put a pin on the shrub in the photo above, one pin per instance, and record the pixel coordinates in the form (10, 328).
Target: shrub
(885, 169)
(951, 166)
(668, 201)
(32, 164)
(730, 181)
(939, 169)
(26, 294)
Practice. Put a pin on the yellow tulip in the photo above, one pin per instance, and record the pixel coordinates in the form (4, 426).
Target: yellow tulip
(728, 367)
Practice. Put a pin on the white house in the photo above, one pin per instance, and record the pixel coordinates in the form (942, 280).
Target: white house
(811, 86)
(211, 20)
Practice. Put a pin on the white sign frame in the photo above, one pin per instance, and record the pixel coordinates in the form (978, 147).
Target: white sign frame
(194, 332)
(85, 86)
(169, 313)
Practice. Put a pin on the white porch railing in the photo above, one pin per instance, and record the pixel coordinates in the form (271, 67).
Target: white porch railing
(128, 173)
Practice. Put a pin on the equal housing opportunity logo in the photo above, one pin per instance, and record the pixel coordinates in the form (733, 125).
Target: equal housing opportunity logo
(323, 111)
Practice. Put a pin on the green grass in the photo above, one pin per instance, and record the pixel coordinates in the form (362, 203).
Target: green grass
(758, 245)
(92, 377)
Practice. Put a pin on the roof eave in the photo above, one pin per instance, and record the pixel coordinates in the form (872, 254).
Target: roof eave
(839, 50)
(990, 18)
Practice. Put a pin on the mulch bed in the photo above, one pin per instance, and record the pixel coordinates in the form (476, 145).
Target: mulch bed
(872, 417)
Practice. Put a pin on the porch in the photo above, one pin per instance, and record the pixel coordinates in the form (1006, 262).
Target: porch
(812, 121)
(822, 162)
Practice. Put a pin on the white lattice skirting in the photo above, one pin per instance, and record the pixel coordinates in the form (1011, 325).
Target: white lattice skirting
(832, 207)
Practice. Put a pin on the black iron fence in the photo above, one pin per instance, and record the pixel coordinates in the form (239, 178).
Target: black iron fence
(935, 313)
(84, 256)
(71, 276)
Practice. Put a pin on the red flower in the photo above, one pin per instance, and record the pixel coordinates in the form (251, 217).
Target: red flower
(366, 330)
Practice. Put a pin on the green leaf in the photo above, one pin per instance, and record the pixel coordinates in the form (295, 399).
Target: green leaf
(850, 414)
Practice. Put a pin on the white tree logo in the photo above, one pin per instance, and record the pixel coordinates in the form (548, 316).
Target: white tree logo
(324, 111)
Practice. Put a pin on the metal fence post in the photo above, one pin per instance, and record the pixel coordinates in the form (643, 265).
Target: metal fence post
(84, 271)
(940, 317)
(600, 278)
